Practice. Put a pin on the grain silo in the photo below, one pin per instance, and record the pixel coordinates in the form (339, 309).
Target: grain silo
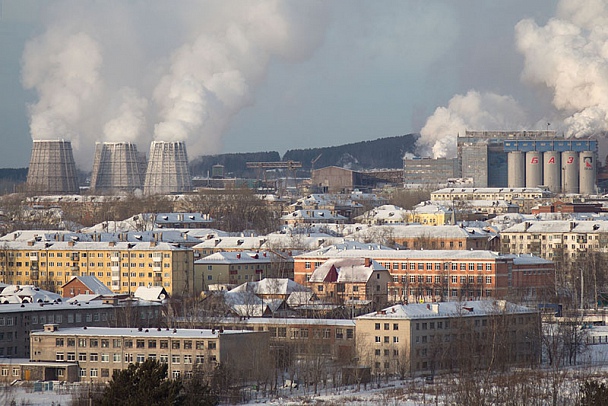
(516, 167)
(588, 172)
(534, 169)
(570, 170)
(116, 168)
(52, 168)
(552, 171)
(168, 170)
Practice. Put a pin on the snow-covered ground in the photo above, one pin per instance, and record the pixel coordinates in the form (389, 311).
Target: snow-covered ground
(409, 392)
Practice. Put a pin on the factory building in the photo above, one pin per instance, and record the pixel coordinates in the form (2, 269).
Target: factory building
(427, 171)
(529, 159)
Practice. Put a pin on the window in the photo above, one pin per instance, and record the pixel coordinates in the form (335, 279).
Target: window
(377, 326)
(211, 345)
(164, 344)
(395, 326)
(82, 357)
(175, 359)
(94, 372)
(200, 345)
(94, 357)
(82, 342)
(151, 343)
(140, 358)
(59, 342)
(94, 343)
(83, 372)
(175, 345)
(164, 358)
(59, 356)
(71, 356)
(187, 344)
(187, 359)
(116, 343)
(395, 339)
(116, 357)
(339, 334)
(200, 359)
(105, 357)
(140, 343)
(105, 343)
(377, 339)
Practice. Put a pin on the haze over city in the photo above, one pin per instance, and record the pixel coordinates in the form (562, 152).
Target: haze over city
(237, 76)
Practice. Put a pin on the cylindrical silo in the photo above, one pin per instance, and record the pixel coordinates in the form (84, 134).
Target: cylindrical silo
(552, 171)
(168, 170)
(52, 168)
(534, 169)
(116, 167)
(587, 172)
(516, 164)
(570, 171)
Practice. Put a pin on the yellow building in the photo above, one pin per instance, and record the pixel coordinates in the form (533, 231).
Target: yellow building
(121, 266)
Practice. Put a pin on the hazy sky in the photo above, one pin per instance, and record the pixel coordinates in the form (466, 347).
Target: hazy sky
(235, 76)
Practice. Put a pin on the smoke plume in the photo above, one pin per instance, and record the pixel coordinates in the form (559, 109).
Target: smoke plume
(568, 56)
(130, 83)
(473, 111)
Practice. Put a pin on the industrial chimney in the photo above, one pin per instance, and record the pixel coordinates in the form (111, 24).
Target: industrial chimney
(52, 169)
(168, 170)
(117, 167)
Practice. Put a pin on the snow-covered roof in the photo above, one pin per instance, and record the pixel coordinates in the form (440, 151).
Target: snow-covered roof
(559, 226)
(183, 218)
(91, 245)
(527, 259)
(416, 231)
(28, 294)
(238, 257)
(151, 293)
(166, 236)
(134, 332)
(271, 286)
(347, 246)
(95, 285)
(404, 255)
(314, 215)
(447, 309)
(349, 270)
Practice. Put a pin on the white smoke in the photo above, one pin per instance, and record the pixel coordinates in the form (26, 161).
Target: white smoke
(186, 84)
(473, 111)
(130, 121)
(63, 67)
(215, 76)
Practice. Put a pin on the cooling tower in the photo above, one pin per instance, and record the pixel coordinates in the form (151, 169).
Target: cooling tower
(552, 171)
(534, 169)
(167, 169)
(570, 172)
(52, 169)
(516, 168)
(116, 167)
(588, 174)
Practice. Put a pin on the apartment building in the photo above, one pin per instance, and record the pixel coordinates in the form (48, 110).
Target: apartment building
(525, 198)
(418, 339)
(99, 352)
(121, 266)
(231, 268)
(439, 275)
(557, 240)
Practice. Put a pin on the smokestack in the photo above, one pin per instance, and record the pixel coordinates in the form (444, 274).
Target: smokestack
(52, 168)
(116, 167)
(168, 170)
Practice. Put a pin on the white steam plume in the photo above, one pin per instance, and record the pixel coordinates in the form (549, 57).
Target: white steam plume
(215, 76)
(130, 121)
(569, 55)
(473, 111)
(188, 66)
(62, 66)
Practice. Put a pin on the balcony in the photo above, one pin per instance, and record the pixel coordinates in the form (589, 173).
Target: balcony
(34, 275)
(157, 278)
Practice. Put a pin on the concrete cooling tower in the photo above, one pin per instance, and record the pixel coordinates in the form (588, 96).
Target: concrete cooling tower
(168, 170)
(117, 167)
(52, 169)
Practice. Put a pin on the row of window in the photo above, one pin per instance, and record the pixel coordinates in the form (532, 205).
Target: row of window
(130, 358)
(443, 278)
(77, 254)
(317, 333)
(429, 266)
(138, 343)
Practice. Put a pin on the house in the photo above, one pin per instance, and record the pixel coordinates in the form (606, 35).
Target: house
(84, 284)
(355, 281)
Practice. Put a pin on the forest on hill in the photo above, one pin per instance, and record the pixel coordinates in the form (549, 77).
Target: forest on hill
(381, 153)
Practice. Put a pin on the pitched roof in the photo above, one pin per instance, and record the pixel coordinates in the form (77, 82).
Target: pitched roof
(351, 270)
(95, 285)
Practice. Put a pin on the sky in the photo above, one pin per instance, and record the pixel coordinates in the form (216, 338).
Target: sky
(239, 76)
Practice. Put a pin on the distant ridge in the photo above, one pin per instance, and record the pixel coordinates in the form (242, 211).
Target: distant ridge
(380, 153)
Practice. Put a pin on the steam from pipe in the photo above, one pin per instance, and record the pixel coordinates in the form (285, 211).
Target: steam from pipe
(99, 84)
(568, 56)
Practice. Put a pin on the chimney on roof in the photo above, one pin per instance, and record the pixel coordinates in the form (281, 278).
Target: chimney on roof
(368, 262)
